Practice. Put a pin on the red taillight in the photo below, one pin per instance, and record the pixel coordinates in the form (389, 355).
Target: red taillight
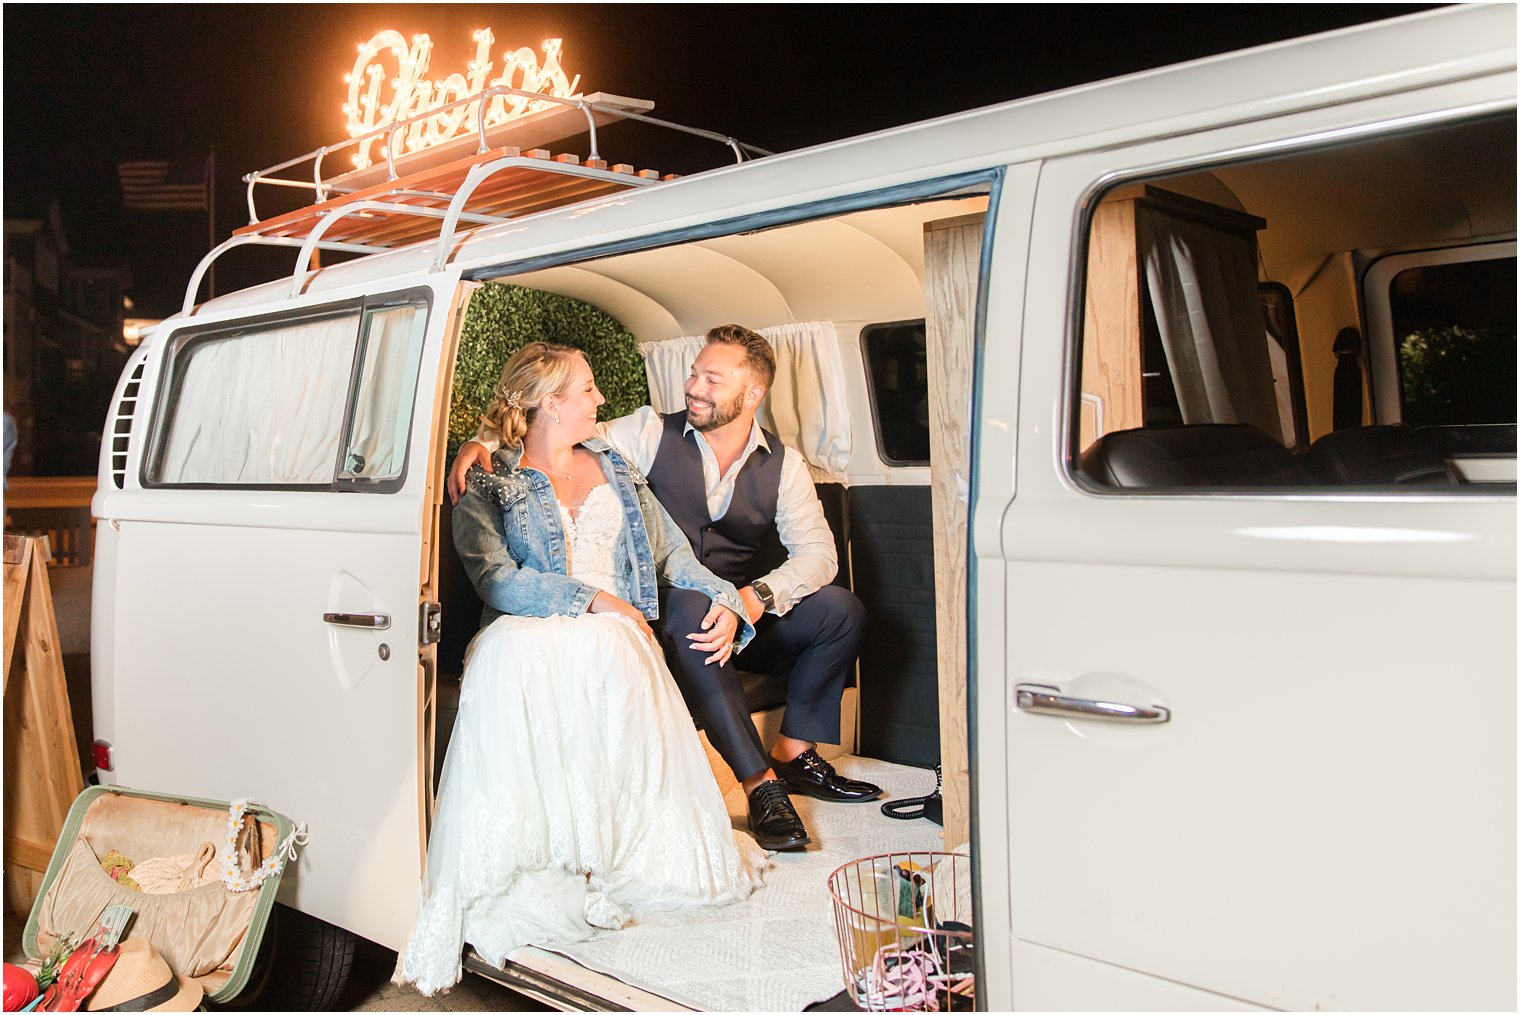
(102, 756)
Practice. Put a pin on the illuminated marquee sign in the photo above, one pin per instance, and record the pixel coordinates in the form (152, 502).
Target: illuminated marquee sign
(372, 105)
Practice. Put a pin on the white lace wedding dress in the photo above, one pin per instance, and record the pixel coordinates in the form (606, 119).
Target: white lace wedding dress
(573, 755)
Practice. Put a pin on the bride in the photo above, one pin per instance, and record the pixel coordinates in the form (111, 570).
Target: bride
(575, 793)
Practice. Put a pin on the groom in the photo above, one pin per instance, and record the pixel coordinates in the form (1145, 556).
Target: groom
(747, 505)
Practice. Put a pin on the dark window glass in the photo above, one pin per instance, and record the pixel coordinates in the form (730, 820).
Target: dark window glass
(1455, 327)
(897, 366)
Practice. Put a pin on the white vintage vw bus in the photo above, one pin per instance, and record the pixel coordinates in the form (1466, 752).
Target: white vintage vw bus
(1168, 424)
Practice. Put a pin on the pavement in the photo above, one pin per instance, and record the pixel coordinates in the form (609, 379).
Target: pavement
(370, 989)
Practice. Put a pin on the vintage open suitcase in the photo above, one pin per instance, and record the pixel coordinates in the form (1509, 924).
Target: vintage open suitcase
(207, 933)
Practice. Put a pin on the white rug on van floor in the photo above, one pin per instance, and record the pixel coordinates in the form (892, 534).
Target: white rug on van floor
(777, 951)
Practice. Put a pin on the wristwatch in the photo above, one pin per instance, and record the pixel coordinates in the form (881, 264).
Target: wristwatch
(763, 591)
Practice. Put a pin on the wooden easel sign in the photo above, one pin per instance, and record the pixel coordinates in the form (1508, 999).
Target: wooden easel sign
(42, 774)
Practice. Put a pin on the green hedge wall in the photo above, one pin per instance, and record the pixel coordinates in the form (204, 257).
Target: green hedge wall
(501, 319)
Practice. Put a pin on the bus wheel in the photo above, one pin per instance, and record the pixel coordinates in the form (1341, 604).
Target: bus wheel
(314, 960)
(303, 965)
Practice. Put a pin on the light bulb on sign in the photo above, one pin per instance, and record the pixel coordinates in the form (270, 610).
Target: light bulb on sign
(412, 95)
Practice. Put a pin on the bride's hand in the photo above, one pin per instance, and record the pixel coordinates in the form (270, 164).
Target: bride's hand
(606, 602)
(717, 635)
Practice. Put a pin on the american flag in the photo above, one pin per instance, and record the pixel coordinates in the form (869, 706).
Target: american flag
(164, 186)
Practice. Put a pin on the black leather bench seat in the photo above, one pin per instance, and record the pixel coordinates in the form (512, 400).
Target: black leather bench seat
(1206, 455)
(1234, 455)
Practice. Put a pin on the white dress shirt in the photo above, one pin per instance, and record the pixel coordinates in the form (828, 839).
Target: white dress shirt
(811, 559)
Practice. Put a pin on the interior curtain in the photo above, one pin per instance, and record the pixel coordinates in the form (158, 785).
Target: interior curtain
(1202, 284)
(806, 407)
(264, 407)
(668, 363)
(387, 384)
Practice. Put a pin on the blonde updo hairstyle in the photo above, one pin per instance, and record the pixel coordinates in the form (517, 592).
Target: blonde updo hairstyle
(536, 371)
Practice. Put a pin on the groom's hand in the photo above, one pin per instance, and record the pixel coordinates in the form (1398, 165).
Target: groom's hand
(470, 454)
(717, 635)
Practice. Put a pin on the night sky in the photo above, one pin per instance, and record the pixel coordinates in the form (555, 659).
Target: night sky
(89, 87)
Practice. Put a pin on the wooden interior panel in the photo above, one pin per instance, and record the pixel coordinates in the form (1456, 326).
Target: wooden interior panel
(1113, 344)
(1112, 395)
(952, 272)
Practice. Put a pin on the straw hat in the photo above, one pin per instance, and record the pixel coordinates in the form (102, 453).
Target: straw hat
(141, 980)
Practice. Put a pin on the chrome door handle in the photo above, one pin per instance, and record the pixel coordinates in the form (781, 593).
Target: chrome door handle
(373, 621)
(1045, 700)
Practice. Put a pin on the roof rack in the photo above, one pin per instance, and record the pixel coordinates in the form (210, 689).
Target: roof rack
(366, 211)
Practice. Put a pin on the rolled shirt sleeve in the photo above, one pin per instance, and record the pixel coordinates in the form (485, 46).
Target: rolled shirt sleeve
(636, 436)
(812, 561)
(486, 438)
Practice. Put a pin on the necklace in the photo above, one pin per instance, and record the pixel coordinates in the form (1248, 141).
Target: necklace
(551, 472)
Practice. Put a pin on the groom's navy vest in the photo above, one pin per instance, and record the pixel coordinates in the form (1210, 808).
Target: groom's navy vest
(742, 545)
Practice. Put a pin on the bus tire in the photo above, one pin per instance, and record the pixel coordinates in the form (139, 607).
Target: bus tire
(314, 961)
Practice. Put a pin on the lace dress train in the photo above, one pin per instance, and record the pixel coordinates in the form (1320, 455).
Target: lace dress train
(575, 794)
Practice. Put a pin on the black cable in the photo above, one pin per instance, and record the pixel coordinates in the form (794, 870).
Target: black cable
(908, 808)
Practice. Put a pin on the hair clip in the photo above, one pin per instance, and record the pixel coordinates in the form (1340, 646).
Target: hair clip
(514, 400)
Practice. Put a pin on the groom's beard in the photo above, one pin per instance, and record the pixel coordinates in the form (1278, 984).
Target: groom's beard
(720, 415)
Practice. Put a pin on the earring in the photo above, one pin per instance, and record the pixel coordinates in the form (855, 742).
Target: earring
(555, 418)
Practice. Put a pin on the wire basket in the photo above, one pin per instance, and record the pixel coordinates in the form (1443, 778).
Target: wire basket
(904, 927)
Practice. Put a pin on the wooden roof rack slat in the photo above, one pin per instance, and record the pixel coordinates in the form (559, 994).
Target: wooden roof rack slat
(513, 197)
(485, 188)
(439, 179)
(489, 185)
(531, 184)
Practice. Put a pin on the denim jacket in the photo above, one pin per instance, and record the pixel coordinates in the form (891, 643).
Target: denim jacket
(512, 543)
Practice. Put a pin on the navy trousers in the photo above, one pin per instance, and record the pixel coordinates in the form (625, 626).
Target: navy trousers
(820, 637)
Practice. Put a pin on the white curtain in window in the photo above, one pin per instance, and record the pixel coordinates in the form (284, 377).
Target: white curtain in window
(261, 407)
(806, 407)
(668, 363)
(387, 386)
(1202, 284)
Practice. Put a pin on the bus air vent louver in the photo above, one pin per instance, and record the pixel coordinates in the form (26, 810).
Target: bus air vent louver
(121, 426)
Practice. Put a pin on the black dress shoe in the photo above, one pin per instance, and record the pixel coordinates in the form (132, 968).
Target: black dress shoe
(773, 821)
(810, 774)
